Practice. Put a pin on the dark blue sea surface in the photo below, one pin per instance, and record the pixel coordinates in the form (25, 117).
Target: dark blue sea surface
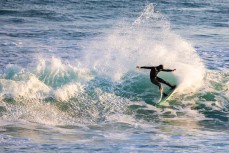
(69, 83)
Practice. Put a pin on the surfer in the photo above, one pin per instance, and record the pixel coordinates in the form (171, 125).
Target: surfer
(154, 70)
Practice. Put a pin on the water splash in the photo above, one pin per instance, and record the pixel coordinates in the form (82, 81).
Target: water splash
(146, 41)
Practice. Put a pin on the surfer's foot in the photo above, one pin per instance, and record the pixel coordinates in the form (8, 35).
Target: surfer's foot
(173, 87)
(164, 94)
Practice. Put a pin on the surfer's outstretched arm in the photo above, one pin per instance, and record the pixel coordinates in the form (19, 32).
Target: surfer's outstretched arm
(168, 70)
(144, 67)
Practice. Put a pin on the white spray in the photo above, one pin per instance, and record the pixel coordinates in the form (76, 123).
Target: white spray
(146, 41)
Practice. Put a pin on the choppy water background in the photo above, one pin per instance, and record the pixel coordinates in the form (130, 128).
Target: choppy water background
(68, 81)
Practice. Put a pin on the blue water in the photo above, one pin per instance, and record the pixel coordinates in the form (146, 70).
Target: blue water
(69, 83)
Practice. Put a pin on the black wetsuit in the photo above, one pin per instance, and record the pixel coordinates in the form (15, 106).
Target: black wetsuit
(153, 75)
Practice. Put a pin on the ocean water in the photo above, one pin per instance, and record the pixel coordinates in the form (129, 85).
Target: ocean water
(69, 83)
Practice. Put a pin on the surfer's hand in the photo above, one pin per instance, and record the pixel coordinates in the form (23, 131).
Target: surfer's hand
(138, 67)
(174, 69)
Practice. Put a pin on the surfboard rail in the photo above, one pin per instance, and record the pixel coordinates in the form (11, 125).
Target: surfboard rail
(165, 98)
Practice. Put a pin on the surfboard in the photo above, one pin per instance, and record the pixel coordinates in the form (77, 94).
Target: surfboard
(165, 98)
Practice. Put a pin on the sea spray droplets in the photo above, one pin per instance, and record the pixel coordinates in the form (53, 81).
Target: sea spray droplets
(148, 15)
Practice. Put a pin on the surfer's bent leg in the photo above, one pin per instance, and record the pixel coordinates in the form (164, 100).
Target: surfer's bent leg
(157, 83)
(163, 81)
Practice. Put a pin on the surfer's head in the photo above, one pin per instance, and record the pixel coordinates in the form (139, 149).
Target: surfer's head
(160, 66)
